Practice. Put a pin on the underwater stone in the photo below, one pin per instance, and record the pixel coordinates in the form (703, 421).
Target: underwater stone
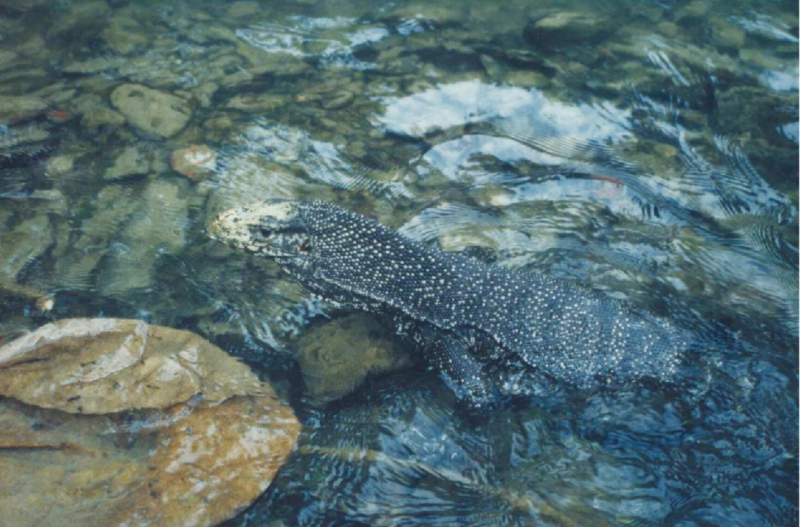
(60, 165)
(157, 228)
(339, 101)
(6, 57)
(251, 102)
(101, 117)
(729, 36)
(151, 111)
(195, 161)
(567, 29)
(122, 36)
(22, 5)
(130, 162)
(76, 259)
(243, 9)
(336, 357)
(17, 109)
(23, 244)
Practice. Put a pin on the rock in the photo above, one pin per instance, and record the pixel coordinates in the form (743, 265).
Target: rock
(152, 111)
(100, 116)
(494, 69)
(525, 79)
(22, 244)
(79, 14)
(668, 28)
(219, 123)
(697, 8)
(336, 357)
(76, 260)
(202, 33)
(195, 162)
(94, 65)
(124, 35)
(57, 93)
(22, 5)
(57, 115)
(220, 33)
(339, 101)
(204, 93)
(58, 165)
(100, 366)
(157, 228)
(34, 48)
(762, 114)
(7, 57)
(44, 302)
(256, 102)
(567, 29)
(728, 36)
(130, 162)
(22, 142)
(260, 61)
(209, 441)
(52, 195)
(21, 108)
(243, 9)
(441, 14)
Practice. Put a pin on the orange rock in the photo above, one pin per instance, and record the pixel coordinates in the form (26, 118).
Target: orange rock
(192, 462)
(194, 162)
(59, 115)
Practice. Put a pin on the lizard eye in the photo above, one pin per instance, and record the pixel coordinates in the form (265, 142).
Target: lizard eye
(266, 233)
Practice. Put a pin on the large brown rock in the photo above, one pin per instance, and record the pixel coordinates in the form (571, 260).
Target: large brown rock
(76, 448)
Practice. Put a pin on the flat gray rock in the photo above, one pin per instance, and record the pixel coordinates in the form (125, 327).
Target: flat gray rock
(152, 111)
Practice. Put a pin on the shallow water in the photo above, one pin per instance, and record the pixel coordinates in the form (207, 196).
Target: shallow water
(648, 150)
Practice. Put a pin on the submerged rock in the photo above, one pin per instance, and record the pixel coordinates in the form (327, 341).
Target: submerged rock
(7, 57)
(22, 5)
(130, 162)
(77, 258)
(195, 161)
(94, 65)
(23, 244)
(254, 102)
(336, 357)
(157, 228)
(243, 9)
(151, 111)
(211, 441)
(22, 146)
(101, 117)
(17, 109)
(567, 29)
(124, 35)
(20, 246)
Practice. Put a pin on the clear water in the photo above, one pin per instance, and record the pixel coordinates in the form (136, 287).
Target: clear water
(645, 149)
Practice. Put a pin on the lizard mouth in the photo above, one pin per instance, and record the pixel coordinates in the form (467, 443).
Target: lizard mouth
(222, 229)
(228, 228)
(262, 228)
(213, 229)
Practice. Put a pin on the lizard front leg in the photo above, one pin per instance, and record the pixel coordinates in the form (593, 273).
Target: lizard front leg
(450, 355)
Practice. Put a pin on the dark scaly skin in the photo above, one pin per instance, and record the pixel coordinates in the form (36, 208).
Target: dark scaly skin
(459, 311)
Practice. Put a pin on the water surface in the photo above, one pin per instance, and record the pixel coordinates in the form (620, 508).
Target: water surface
(644, 149)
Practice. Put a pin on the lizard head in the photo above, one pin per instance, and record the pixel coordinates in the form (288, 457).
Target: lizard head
(271, 228)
